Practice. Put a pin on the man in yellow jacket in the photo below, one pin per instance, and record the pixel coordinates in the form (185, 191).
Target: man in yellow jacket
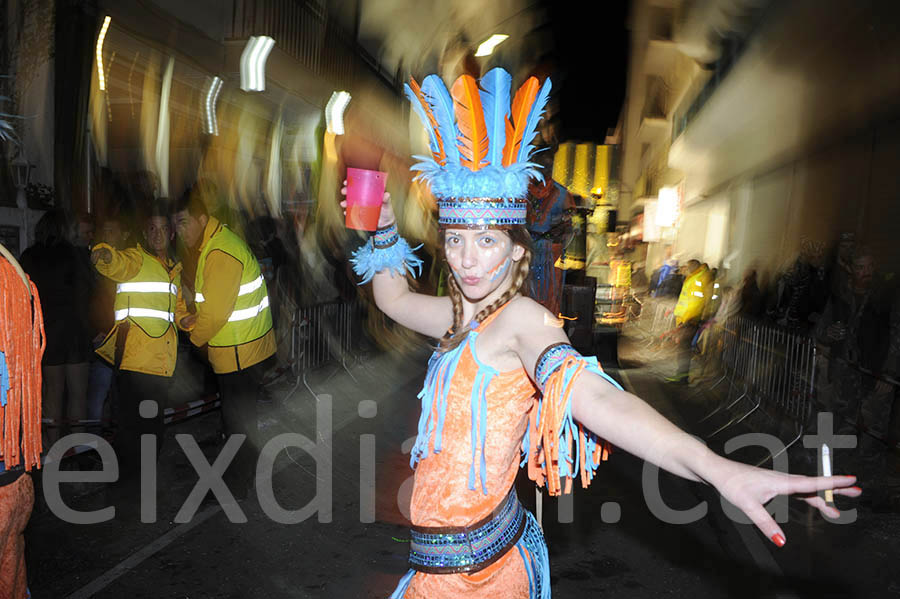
(693, 295)
(142, 344)
(233, 320)
(691, 301)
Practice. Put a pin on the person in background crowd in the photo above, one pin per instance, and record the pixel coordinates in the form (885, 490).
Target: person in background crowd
(688, 311)
(115, 232)
(749, 295)
(855, 329)
(82, 230)
(272, 256)
(715, 296)
(797, 291)
(549, 224)
(142, 344)
(839, 265)
(64, 283)
(657, 277)
(233, 319)
(669, 279)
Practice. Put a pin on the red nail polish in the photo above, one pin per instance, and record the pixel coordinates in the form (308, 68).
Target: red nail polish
(857, 488)
(778, 539)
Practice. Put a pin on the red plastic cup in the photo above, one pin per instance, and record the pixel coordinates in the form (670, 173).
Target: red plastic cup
(365, 194)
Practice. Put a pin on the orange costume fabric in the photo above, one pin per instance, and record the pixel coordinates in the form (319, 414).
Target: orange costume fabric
(467, 460)
(16, 501)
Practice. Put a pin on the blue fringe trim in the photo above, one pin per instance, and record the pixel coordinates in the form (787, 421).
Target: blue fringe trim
(441, 368)
(478, 401)
(368, 260)
(434, 395)
(403, 585)
(533, 549)
(570, 464)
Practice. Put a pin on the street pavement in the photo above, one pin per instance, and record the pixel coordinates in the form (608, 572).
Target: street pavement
(608, 542)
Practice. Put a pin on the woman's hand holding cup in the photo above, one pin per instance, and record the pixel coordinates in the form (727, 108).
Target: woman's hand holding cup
(385, 219)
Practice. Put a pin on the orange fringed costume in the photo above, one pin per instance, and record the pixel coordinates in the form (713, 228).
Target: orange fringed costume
(22, 344)
(476, 424)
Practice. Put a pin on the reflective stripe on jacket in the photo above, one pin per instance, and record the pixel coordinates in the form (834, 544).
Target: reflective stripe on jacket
(148, 300)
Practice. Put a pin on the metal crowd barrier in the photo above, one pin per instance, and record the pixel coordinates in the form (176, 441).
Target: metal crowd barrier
(321, 334)
(764, 367)
(655, 319)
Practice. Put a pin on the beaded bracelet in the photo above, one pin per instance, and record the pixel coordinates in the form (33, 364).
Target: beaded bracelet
(385, 249)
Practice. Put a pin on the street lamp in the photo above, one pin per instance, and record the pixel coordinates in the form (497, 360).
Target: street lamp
(21, 172)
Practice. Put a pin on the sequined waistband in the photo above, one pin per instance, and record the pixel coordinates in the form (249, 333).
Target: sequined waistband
(451, 550)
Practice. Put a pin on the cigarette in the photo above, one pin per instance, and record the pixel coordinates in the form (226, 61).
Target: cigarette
(826, 471)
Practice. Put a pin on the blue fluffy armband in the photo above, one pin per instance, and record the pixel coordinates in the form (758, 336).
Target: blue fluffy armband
(372, 258)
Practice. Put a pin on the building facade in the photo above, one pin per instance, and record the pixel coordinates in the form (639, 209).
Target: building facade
(775, 123)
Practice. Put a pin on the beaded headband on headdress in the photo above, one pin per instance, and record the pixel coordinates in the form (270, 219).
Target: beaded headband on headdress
(481, 146)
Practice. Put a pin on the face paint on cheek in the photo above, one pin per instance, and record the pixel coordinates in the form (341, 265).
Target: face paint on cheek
(499, 270)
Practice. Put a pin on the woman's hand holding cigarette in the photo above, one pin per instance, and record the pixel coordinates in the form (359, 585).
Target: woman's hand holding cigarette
(749, 489)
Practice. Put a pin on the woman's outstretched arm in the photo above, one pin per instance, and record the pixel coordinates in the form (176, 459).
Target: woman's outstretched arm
(426, 314)
(631, 424)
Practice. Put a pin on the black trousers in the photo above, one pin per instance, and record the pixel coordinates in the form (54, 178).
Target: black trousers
(239, 392)
(133, 388)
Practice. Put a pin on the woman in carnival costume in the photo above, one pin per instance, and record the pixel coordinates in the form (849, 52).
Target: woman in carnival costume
(504, 382)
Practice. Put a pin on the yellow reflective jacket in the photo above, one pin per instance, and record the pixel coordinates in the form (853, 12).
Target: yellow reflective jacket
(148, 297)
(693, 297)
(231, 300)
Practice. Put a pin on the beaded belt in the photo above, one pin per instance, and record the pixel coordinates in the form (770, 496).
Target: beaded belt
(450, 550)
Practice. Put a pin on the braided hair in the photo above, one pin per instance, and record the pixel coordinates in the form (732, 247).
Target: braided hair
(520, 284)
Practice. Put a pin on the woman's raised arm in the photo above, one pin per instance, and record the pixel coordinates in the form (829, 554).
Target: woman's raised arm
(429, 315)
(631, 424)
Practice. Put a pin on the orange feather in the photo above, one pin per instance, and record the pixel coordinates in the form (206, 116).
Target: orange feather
(473, 146)
(440, 156)
(521, 106)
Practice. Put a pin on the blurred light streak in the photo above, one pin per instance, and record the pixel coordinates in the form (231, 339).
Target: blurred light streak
(601, 170)
(98, 125)
(211, 125)
(100, 77)
(334, 112)
(112, 59)
(667, 207)
(486, 48)
(273, 175)
(131, 101)
(582, 170)
(149, 107)
(253, 63)
(246, 174)
(652, 230)
(162, 130)
(561, 160)
(328, 146)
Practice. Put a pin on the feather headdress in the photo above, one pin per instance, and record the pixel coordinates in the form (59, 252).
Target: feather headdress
(481, 145)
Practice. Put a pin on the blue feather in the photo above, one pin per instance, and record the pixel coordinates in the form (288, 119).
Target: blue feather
(399, 258)
(534, 117)
(420, 110)
(495, 88)
(441, 103)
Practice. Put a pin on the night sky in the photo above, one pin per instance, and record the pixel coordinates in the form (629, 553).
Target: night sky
(591, 56)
